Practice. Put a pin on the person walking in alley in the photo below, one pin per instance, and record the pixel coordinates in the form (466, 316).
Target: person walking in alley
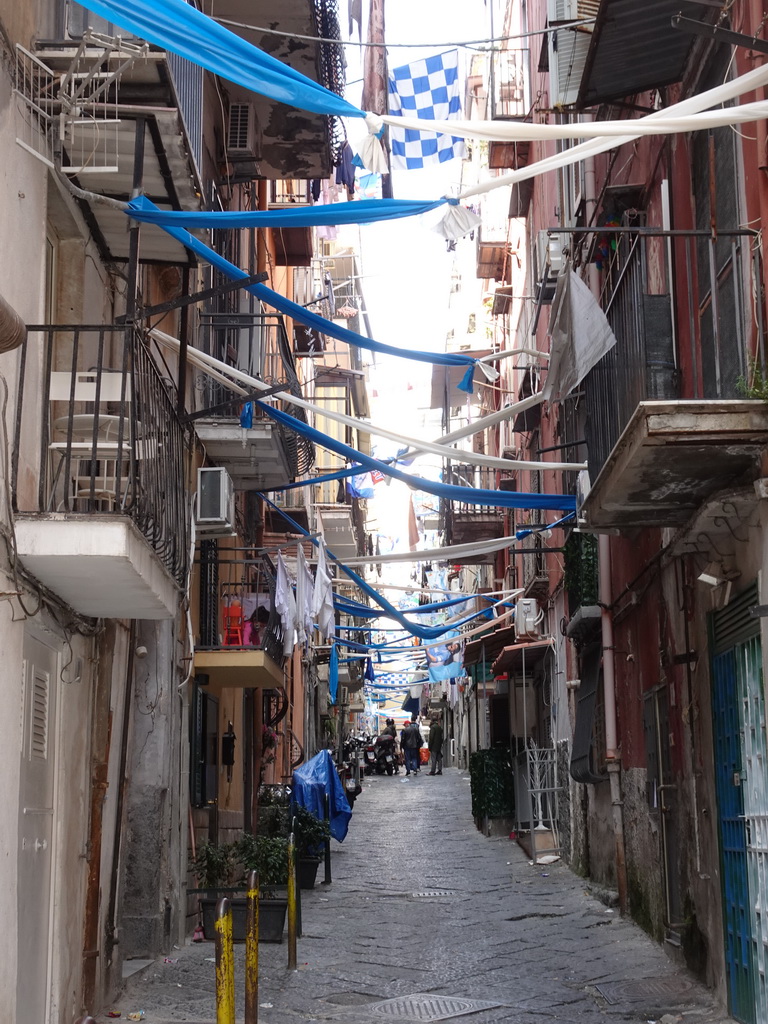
(411, 742)
(435, 744)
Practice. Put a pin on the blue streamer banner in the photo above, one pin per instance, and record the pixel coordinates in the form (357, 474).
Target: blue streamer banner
(363, 211)
(306, 316)
(177, 26)
(467, 495)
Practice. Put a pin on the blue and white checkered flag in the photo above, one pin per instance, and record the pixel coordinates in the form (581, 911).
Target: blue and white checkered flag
(429, 89)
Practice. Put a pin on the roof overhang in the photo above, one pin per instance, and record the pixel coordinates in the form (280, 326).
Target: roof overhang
(522, 659)
(670, 458)
(488, 646)
(635, 48)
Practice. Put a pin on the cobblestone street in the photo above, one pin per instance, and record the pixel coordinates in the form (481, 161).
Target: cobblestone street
(426, 911)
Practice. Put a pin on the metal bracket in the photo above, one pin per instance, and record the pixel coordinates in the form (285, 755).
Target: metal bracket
(250, 396)
(719, 35)
(188, 300)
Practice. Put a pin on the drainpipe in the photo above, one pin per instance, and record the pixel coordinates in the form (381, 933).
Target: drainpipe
(612, 758)
(101, 731)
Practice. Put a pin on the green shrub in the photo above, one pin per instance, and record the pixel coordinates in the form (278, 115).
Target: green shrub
(492, 783)
(215, 866)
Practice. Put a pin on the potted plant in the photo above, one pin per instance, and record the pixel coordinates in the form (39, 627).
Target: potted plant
(267, 855)
(311, 834)
(214, 865)
(223, 871)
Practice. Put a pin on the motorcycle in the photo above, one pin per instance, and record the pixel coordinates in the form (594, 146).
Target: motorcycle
(386, 758)
(369, 757)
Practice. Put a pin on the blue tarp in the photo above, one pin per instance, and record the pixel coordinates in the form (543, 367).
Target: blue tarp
(306, 316)
(177, 26)
(360, 211)
(315, 780)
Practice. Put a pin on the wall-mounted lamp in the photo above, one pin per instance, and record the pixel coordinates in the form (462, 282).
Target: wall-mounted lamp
(715, 574)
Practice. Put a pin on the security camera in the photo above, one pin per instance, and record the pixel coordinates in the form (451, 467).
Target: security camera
(141, 651)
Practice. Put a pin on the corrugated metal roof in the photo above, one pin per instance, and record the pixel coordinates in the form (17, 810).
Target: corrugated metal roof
(635, 48)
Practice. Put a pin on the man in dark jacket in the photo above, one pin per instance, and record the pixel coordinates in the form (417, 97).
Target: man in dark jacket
(435, 745)
(411, 742)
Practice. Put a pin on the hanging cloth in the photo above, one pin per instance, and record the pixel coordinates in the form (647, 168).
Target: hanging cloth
(285, 604)
(322, 598)
(305, 586)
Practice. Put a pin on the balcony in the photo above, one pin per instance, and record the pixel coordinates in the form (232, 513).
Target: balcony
(97, 474)
(509, 94)
(293, 143)
(265, 455)
(466, 523)
(634, 48)
(665, 421)
(239, 637)
(126, 114)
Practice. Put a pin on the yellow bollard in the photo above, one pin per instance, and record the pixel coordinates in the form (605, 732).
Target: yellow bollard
(225, 964)
(292, 908)
(252, 950)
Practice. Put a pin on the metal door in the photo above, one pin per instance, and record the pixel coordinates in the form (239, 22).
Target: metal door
(35, 852)
(726, 701)
(755, 791)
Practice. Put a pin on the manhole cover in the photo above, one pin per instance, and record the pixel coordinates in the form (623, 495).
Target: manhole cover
(432, 894)
(661, 990)
(428, 1007)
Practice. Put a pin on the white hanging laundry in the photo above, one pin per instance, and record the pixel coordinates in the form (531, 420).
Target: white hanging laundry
(322, 598)
(305, 586)
(285, 604)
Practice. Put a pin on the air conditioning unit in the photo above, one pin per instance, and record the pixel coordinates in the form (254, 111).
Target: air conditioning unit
(527, 619)
(550, 253)
(242, 132)
(215, 503)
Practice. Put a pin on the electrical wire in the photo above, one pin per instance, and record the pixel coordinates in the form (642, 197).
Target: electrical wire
(468, 44)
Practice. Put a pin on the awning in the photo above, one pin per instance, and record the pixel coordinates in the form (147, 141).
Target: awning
(492, 643)
(522, 656)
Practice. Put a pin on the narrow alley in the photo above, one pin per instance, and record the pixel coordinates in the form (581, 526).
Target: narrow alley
(426, 920)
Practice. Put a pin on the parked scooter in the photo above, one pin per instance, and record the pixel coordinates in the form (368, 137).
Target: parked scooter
(350, 770)
(386, 758)
(369, 756)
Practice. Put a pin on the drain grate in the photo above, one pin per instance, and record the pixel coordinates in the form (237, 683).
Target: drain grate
(647, 990)
(427, 1007)
(431, 894)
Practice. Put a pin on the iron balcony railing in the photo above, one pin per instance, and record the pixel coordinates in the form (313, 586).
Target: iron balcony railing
(96, 432)
(687, 313)
(455, 514)
(256, 343)
(509, 84)
(237, 602)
